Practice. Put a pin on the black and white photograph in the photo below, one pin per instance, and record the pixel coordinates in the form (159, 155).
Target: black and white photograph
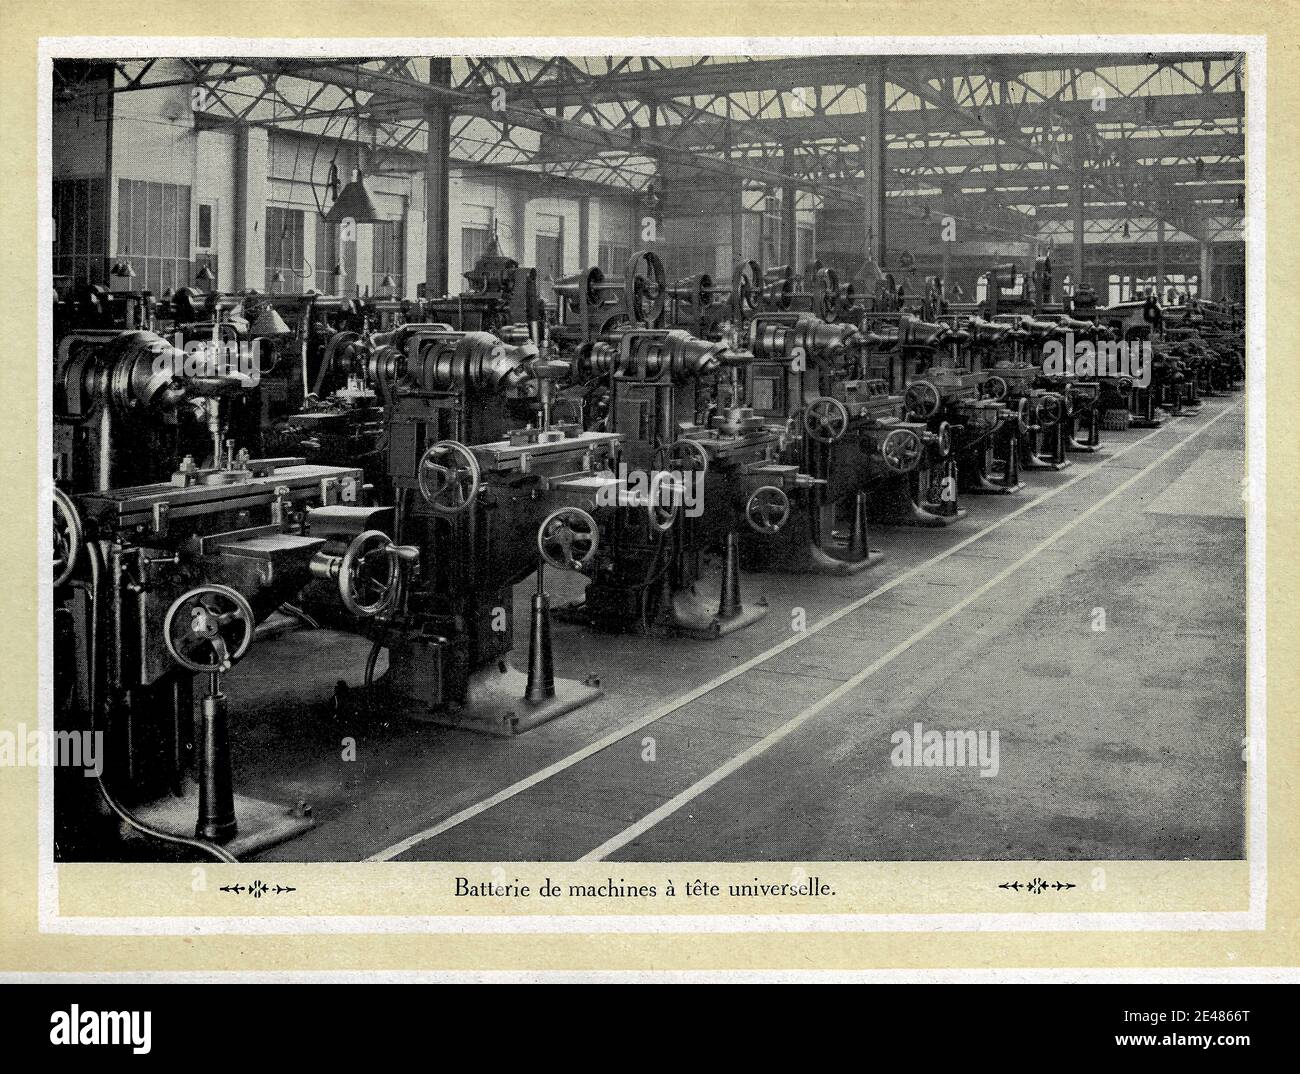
(797, 457)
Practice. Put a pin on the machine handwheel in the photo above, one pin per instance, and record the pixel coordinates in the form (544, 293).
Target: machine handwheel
(692, 455)
(369, 574)
(645, 287)
(922, 399)
(208, 628)
(826, 420)
(68, 537)
(1022, 416)
(449, 477)
(901, 451)
(945, 439)
(1049, 410)
(568, 538)
(767, 509)
(662, 516)
(996, 388)
(747, 284)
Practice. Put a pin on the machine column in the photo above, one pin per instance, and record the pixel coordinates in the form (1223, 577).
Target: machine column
(437, 181)
(873, 160)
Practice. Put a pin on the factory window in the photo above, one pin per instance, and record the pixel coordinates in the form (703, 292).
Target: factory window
(549, 250)
(771, 241)
(389, 256)
(284, 249)
(205, 245)
(153, 233)
(80, 230)
(614, 257)
(207, 213)
(803, 247)
(473, 245)
(334, 253)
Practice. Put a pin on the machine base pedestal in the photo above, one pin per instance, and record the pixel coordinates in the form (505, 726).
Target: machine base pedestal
(262, 824)
(693, 617)
(495, 703)
(1085, 449)
(981, 485)
(822, 561)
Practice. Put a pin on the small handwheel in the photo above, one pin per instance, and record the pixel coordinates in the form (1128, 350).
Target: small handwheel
(901, 451)
(826, 420)
(1022, 416)
(996, 388)
(208, 628)
(645, 287)
(68, 537)
(945, 439)
(568, 538)
(692, 455)
(662, 516)
(767, 509)
(369, 574)
(1048, 410)
(922, 399)
(747, 284)
(449, 477)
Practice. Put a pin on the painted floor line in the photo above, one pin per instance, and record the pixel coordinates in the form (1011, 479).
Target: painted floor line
(674, 804)
(656, 714)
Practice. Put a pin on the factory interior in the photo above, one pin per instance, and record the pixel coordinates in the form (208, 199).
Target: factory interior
(650, 458)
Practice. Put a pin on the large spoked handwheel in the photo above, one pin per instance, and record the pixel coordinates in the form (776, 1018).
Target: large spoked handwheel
(996, 388)
(922, 399)
(208, 628)
(645, 287)
(826, 420)
(664, 487)
(747, 284)
(69, 538)
(945, 439)
(369, 575)
(449, 477)
(1048, 410)
(1022, 416)
(568, 538)
(901, 451)
(691, 455)
(767, 509)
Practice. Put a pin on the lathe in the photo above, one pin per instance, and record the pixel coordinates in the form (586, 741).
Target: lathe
(161, 577)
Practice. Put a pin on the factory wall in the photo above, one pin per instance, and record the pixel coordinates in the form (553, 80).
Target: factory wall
(157, 139)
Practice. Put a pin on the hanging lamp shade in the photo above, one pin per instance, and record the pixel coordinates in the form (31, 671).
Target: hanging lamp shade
(123, 270)
(269, 323)
(205, 274)
(354, 202)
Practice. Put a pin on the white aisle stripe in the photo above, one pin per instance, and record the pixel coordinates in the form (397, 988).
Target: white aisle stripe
(763, 745)
(617, 735)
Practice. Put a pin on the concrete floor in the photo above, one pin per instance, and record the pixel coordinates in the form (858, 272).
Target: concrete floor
(1122, 743)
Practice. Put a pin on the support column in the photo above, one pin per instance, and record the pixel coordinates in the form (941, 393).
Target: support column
(585, 255)
(873, 162)
(1160, 257)
(1207, 267)
(735, 212)
(252, 169)
(789, 214)
(437, 183)
(1076, 207)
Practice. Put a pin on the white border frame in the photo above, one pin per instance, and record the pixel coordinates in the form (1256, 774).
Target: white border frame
(1253, 918)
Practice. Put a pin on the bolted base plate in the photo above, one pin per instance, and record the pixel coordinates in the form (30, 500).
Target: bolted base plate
(694, 617)
(261, 824)
(495, 703)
